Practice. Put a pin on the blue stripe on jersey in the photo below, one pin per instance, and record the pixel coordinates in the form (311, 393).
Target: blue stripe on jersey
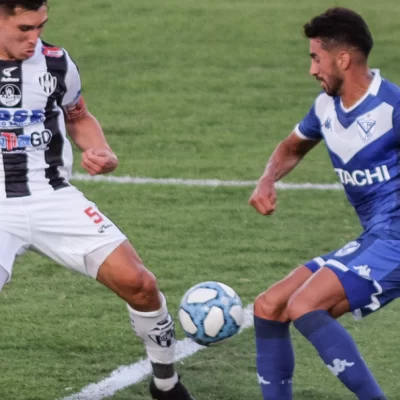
(347, 118)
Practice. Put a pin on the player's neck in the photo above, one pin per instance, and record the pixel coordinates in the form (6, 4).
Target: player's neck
(356, 86)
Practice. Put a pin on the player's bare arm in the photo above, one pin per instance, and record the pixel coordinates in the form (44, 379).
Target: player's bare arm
(87, 134)
(284, 159)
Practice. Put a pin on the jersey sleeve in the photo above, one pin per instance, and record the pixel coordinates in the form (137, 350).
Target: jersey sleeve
(72, 83)
(310, 126)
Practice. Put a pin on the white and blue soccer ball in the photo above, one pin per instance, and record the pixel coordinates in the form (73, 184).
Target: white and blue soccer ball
(210, 312)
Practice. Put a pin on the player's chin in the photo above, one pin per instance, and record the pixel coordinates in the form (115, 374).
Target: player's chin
(330, 91)
(325, 88)
(25, 54)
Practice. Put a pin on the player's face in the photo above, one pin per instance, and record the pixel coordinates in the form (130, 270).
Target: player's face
(324, 68)
(20, 32)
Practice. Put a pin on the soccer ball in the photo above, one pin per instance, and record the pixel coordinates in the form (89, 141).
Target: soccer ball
(210, 312)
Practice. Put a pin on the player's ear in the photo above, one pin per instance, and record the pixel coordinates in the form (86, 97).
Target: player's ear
(343, 60)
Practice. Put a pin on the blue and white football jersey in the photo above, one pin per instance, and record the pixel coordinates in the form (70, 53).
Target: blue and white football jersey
(364, 145)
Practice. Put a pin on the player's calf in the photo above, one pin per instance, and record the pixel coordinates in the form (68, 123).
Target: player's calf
(308, 309)
(124, 273)
(275, 357)
(157, 330)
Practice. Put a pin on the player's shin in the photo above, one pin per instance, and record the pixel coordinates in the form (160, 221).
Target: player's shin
(275, 358)
(339, 352)
(157, 331)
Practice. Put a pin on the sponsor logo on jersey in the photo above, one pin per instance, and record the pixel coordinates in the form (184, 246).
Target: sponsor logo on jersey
(48, 83)
(18, 117)
(7, 77)
(363, 177)
(350, 247)
(10, 95)
(56, 52)
(9, 141)
(366, 128)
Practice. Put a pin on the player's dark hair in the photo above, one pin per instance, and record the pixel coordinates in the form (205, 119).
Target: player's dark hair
(10, 5)
(340, 26)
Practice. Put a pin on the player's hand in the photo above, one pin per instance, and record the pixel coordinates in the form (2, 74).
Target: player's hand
(99, 161)
(263, 198)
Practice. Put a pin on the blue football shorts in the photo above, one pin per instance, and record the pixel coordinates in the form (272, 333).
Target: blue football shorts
(368, 268)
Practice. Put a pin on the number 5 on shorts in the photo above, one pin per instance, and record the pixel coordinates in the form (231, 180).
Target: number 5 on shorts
(95, 215)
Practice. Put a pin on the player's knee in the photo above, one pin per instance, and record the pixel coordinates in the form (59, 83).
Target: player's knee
(141, 287)
(269, 306)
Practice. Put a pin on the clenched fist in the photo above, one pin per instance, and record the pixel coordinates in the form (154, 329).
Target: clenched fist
(263, 198)
(99, 161)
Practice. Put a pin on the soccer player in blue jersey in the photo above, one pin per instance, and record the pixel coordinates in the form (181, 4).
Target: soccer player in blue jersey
(358, 117)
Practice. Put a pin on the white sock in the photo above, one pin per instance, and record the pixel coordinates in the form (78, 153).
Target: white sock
(157, 330)
(166, 384)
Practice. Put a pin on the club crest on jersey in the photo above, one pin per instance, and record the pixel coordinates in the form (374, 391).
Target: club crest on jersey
(10, 95)
(366, 128)
(55, 52)
(349, 248)
(48, 83)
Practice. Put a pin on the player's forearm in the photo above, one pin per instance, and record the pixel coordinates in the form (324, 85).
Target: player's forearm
(282, 161)
(87, 133)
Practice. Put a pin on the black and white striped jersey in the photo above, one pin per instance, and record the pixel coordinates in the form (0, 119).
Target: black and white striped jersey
(36, 155)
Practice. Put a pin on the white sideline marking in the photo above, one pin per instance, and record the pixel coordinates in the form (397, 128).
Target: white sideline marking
(126, 376)
(136, 180)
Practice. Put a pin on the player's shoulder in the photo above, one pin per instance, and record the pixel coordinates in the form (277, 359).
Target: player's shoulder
(389, 93)
(54, 53)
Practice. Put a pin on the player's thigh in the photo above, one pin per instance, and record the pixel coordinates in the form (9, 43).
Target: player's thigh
(371, 278)
(354, 278)
(336, 305)
(11, 246)
(272, 303)
(322, 291)
(67, 227)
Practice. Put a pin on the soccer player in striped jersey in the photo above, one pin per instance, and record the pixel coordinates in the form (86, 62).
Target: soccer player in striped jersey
(41, 105)
(358, 117)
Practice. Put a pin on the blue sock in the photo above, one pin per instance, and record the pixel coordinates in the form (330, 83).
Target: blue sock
(339, 352)
(275, 359)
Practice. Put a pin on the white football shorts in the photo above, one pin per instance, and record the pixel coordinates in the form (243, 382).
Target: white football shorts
(63, 225)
